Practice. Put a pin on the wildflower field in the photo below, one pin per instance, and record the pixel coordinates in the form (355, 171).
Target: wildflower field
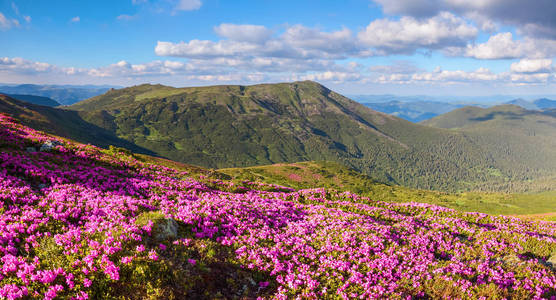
(80, 222)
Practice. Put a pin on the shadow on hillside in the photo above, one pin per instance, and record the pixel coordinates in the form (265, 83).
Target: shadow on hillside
(503, 114)
(65, 123)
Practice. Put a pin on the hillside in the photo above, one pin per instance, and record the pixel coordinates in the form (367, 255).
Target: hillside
(517, 135)
(321, 174)
(85, 223)
(64, 123)
(39, 100)
(236, 126)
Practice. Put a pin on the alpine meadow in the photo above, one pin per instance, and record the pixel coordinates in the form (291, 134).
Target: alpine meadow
(208, 149)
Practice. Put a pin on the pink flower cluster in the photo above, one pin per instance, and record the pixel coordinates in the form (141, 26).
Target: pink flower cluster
(80, 202)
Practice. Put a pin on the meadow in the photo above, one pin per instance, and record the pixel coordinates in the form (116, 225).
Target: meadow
(80, 222)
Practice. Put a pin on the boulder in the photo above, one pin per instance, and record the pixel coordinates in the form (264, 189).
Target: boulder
(165, 229)
(552, 261)
(49, 145)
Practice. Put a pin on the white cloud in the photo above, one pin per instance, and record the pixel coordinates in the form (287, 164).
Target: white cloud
(534, 18)
(256, 41)
(399, 67)
(125, 17)
(503, 46)
(532, 66)
(255, 70)
(243, 33)
(75, 19)
(6, 23)
(409, 34)
(332, 76)
(340, 42)
(20, 65)
(186, 5)
(27, 19)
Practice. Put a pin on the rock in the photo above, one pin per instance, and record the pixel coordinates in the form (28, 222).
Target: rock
(164, 229)
(552, 261)
(511, 259)
(31, 149)
(49, 145)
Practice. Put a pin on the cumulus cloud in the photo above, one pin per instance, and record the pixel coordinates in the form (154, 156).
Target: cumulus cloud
(381, 37)
(340, 42)
(532, 66)
(75, 19)
(409, 34)
(255, 41)
(503, 46)
(535, 18)
(20, 65)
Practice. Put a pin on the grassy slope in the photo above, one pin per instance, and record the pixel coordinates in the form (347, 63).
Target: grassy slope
(239, 126)
(333, 175)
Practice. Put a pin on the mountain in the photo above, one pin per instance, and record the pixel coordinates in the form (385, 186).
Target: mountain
(234, 126)
(45, 101)
(63, 94)
(64, 123)
(414, 111)
(538, 104)
(524, 139)
(544, 103)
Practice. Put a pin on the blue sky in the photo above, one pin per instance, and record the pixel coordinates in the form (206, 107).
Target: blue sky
(435, 47)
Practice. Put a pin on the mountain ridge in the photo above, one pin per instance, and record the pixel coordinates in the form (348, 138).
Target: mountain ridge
(238, 126)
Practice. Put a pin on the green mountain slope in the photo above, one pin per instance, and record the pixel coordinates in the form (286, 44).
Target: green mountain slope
(234, 126)
(515, 134)
(317, 174)
(64, 123)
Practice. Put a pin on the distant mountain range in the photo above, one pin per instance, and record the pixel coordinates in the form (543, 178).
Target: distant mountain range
(415, 110)
(236, 126)
(63, 94)
(539, 104)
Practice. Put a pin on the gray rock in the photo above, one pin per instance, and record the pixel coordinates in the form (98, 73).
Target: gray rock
(49, 145)
(552, 261)
(31, 149)
(164, 229)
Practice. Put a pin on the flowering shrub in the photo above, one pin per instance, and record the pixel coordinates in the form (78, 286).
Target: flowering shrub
(78, 222)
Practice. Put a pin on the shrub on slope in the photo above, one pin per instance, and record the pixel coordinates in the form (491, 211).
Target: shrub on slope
(77, 223)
